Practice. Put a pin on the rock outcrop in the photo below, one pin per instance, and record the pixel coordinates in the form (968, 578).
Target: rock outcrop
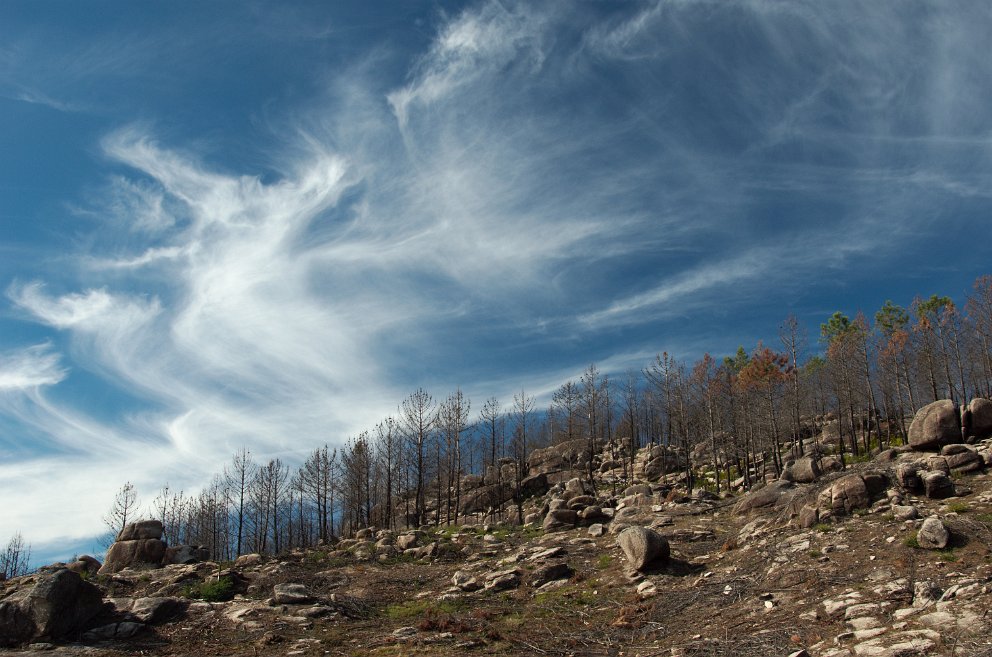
(561, 462)
(138, 544)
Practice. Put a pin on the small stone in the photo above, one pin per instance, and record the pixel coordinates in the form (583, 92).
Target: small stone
(291, 594)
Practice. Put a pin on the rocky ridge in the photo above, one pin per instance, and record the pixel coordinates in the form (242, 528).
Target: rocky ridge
(891, 557)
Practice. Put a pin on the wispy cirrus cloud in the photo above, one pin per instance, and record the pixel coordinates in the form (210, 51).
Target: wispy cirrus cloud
(30, 368)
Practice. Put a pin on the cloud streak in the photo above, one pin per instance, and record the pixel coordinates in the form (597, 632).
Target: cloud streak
(30, 368)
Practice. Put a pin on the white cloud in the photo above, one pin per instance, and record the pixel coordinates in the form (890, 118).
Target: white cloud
(30, 368)
(95, 311)
(467, 48)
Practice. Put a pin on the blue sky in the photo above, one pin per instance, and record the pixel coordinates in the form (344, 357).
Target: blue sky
(265, 224)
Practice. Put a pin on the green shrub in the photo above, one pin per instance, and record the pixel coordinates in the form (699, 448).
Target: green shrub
(218, 590)
(415, 608)
(911, 541)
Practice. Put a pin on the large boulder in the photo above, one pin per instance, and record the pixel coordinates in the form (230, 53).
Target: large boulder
(978, 419)
(49, 606)
(774, 495)
(157, 609)
(559, 520)
(962, 458)
(642, 546)
(850, 493)
(141, 530)
(845, 495)
(803, 471)
(138, 544)
(575, 487)
(128, 554)
(534, 485)
(935, 425)
(938, 485)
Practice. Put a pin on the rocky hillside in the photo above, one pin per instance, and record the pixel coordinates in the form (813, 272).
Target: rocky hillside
(889, 557)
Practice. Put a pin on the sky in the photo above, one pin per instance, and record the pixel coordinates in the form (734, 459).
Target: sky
(264, 224)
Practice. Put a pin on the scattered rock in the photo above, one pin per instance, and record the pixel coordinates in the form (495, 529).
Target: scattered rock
(502, 580)
(642, 546)
(465, 581)
(938, 485)
(559, 520)
(908, 477)
(550, 572)
(291, 594)
(964, 460)
(933, 535)
(637, 489)
(580, 502)
(248, 560)
(901, 512)
(775, 494)
(156, 610)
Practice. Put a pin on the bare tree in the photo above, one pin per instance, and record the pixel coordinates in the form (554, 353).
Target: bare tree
(123, 510)
(491, 418)
(453, 423)
(794, 338)
(565, 409)
(523, 407)
(239, 476)
(387, 447)
(15, 558)
(419, 415)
